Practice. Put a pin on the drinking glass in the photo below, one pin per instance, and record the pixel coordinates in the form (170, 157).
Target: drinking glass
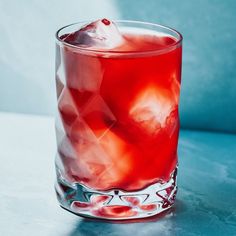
(118, 124)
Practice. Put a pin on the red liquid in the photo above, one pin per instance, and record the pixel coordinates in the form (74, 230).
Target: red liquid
(120, 114)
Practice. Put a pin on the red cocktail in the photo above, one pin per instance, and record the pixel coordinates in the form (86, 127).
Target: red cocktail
(118, 92)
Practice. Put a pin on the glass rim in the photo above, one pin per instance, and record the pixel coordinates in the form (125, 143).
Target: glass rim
(84, 50)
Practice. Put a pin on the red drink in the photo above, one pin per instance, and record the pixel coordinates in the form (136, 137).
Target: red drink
(119, 110)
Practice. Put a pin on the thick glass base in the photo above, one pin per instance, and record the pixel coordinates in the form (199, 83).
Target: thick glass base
(117, 204)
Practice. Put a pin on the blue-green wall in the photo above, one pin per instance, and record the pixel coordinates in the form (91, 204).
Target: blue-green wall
(208, 98)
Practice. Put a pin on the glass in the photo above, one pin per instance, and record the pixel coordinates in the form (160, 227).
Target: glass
(118, 125)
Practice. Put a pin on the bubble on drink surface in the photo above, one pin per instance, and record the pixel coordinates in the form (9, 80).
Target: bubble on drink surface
(100, 34)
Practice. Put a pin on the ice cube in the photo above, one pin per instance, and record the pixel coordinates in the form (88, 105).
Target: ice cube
(100, 34)
(98, 116)
(151, 108)
(101, 165)
(119, 155)
(175, 88)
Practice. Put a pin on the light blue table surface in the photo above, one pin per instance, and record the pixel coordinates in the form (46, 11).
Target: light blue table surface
(206, 202)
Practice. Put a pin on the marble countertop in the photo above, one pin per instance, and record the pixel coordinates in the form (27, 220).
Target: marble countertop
(206, 201)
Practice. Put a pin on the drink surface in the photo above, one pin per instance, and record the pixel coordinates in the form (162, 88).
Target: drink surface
(120, 114)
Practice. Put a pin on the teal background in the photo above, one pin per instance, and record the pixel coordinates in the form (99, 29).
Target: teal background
(206, 203)
(209, 52)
